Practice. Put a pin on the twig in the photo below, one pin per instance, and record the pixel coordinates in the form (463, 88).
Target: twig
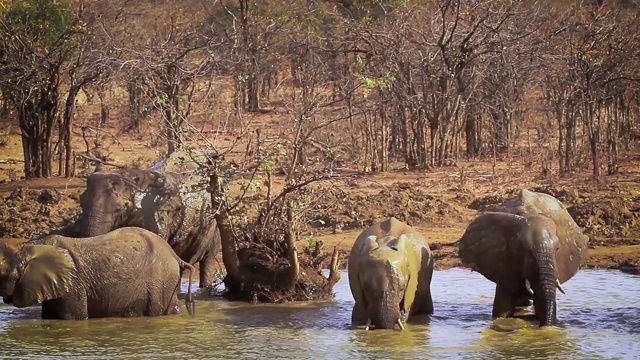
(9, 161)
(101, 161)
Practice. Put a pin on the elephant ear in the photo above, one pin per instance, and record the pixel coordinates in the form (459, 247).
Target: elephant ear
(486, 246)
(46, 273)
(399, 244)
(162, 183)
(370, 244)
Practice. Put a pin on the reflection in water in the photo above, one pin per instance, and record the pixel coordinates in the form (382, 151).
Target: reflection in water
(598, 316)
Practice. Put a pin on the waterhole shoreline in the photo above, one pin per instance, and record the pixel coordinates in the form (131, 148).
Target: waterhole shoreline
(597, 320)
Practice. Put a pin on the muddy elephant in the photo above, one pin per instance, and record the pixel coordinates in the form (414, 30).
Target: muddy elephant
(126, 272)
(172, 205)
(529, 247)
(390, 269)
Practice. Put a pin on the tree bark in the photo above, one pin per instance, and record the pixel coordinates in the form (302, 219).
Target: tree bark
(228, 242)
(292, 255)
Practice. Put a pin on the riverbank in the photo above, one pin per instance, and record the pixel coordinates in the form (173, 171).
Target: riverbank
(440, 209)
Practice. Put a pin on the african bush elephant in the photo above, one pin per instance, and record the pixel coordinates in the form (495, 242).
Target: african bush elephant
(528, 248)
(173, 206)
(390, 269)
(124, 273)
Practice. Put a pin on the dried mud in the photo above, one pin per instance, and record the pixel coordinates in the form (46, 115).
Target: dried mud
(609, 215)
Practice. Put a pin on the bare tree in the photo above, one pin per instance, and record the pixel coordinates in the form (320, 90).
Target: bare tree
(167, 66)
(37, 45)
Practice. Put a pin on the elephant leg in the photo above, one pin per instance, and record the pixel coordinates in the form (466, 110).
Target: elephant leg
(504, 300)
(524, 298)
(423, 293)
(429, 305)
(162, 302)
(359, 314)
(426, 302)
(49, 309)
(72, 306)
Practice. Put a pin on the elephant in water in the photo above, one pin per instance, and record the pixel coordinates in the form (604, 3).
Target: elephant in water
(528, 248)
(124, 273)
(167, 203)
(390, 269)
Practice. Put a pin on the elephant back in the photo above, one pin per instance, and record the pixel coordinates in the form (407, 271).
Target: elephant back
(531, 202)
(180, 161)
(196, 234)
(389, 229)
(192, 232)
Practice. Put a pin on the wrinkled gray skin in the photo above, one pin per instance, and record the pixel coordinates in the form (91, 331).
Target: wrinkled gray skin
(124, 273)
(528, 248)
(390, 269)
(173, 206)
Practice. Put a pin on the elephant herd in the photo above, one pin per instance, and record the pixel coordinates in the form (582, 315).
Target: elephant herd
(528, 247)
(140, 229)
(124, 256)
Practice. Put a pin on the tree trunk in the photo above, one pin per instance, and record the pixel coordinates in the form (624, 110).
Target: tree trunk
(65, 132)
(170, 131)
(471, 132)
(570, 140)
(294, 264)
(135, 104)
(37, 118)
(253, 101)
(104, 108)
(561, 140)
(233, 280)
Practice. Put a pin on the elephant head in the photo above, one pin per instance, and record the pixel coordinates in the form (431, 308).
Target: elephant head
(34, 273)
(111, 198)
(390, 269)
(525, 255)
(385, 283)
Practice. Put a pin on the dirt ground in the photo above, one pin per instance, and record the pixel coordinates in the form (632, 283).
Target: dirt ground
(439, 202)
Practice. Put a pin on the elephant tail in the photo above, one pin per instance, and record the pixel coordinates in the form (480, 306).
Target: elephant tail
(188, 300)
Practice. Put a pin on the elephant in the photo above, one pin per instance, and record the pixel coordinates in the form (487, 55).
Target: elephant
(390, 269)
(170, 204)
(124, 273)
(528, 247)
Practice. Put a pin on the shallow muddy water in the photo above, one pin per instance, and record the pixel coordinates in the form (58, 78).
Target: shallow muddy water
(599, 316)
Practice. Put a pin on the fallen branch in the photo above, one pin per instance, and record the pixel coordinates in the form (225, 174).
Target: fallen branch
(108, 163)
(334, 273)
(11, 161)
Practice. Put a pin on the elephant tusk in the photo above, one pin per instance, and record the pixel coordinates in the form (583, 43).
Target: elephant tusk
(527, 284)
(366, 327)
(560, 286)
(400, 324)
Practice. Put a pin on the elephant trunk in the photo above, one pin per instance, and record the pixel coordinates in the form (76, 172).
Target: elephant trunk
(545, 283)
(386, 314)
(94, 223)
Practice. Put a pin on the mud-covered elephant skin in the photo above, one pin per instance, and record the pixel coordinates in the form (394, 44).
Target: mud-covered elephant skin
(172, 205)
(529, 247)
(390, 269)
(124, 273)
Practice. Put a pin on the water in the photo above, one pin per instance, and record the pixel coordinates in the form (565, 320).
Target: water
(599, 319)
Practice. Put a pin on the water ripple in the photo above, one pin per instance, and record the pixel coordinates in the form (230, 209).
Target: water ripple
(598, 319)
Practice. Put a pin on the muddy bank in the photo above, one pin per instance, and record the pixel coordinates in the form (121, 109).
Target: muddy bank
(27, 213)
(609, 215)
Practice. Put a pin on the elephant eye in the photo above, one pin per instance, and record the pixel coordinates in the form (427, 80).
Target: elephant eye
(116, 184)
